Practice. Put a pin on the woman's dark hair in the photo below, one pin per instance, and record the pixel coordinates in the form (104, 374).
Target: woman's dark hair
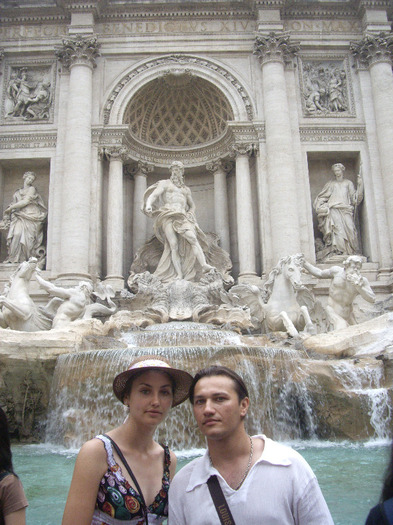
(5, 444)
(387, 488)
(217, 370)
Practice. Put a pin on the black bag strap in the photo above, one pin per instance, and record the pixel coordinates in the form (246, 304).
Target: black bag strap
(138, 488)
(387, 506)
(219, 501)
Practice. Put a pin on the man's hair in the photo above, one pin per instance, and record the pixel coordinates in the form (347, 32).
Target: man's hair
(218, 370)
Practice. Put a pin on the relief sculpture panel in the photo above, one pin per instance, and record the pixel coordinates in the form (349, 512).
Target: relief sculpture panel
(28, 94)
(325, 88)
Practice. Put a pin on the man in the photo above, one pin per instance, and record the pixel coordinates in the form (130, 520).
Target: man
(75, 301)
(335, 206)
(171, 204)
(263, 482)
(347, 283)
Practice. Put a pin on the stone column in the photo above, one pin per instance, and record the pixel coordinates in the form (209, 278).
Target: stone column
(274, 51)
(114, 231)
(142, 169)
(221, 217)
(244, 212)
(78, 55)
(375, 53)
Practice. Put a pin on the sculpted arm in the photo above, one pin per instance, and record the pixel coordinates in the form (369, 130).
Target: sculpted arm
(51, 288)
(358, 195)
(89, 469)
(29, 197)
(317, 272)
(190, 202)
(365, 291)
(159, 190)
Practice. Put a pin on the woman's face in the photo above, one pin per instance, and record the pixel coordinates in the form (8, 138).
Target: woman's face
(150, 397)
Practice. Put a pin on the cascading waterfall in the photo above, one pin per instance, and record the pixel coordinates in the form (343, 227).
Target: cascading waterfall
(366, 383)
(83, 404)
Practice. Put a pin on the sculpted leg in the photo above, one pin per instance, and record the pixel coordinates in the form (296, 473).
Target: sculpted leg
(173, 244)
(309, 325)
(198, 252)
(289, 326)
(337, 321)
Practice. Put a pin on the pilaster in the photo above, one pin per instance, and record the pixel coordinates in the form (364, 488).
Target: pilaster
(244, 211)
(220, 168)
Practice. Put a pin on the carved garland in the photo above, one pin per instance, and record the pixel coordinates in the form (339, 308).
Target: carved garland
(182, 60)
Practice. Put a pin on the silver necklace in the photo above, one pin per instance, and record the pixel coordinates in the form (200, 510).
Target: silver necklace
(248, 464)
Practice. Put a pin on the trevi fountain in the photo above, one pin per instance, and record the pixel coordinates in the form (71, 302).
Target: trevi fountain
(209, 181)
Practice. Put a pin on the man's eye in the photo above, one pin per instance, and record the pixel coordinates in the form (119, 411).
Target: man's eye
(199, 402)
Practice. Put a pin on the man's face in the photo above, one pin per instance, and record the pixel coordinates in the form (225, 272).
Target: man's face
(217, 409)
(177, 175)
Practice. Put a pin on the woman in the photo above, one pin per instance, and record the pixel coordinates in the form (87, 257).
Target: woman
(382, 514)
(13, 501)
(123, 476)
(25, 217)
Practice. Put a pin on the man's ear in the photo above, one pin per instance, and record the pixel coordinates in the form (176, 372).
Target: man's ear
(244, 404)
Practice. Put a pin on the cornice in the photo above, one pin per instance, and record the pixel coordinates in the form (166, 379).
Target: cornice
(334, 133)
(31, 140)
(304, 9)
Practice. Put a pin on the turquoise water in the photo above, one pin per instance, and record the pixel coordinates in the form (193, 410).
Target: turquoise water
(350, 477)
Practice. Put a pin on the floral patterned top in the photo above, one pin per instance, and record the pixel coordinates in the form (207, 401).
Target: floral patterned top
(119, 503)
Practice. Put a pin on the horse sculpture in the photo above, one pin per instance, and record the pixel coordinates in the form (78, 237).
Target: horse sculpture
(18, 310)
(282, 311)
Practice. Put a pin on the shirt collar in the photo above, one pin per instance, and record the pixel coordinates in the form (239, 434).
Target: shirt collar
(273, 453)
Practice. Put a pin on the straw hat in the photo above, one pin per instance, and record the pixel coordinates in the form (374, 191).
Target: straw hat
(181, 379)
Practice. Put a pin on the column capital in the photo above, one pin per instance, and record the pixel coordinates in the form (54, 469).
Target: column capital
(78, 50)
(242, 149)
(275, 47)
(141, 168)
(373, 49)
(223, 164)
(115, 153)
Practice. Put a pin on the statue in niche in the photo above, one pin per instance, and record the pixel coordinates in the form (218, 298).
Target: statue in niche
(74, 303)
(325, 88)
(24, 218)
(31, 100)
(335, 206)
(347, 283)
(185, 245)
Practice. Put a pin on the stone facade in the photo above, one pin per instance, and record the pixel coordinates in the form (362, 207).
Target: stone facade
(257, 98)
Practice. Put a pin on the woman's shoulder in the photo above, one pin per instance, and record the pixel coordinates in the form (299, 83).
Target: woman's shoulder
(93, 448)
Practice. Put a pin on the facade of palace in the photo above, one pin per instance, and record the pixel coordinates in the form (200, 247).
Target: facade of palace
(257, 98)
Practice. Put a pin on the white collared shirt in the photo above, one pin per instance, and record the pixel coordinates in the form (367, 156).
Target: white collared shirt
(280, 489)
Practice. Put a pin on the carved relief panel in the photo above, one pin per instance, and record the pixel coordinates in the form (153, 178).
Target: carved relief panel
(326, 88)
(28, 93)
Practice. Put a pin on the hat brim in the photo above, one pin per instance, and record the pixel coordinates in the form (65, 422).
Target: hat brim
(182, 381)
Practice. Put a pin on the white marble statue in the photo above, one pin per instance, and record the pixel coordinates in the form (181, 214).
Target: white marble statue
(280, 304)
(74, 303)
(347, 283)
(24, 218)
(335, 207)
(17, 309)
(185, 246)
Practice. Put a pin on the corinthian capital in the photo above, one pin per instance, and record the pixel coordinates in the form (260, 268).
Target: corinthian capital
(373, 48)
(78, 50)
(116, 153)
(220, 164)
(275, 48)
(244, 149)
